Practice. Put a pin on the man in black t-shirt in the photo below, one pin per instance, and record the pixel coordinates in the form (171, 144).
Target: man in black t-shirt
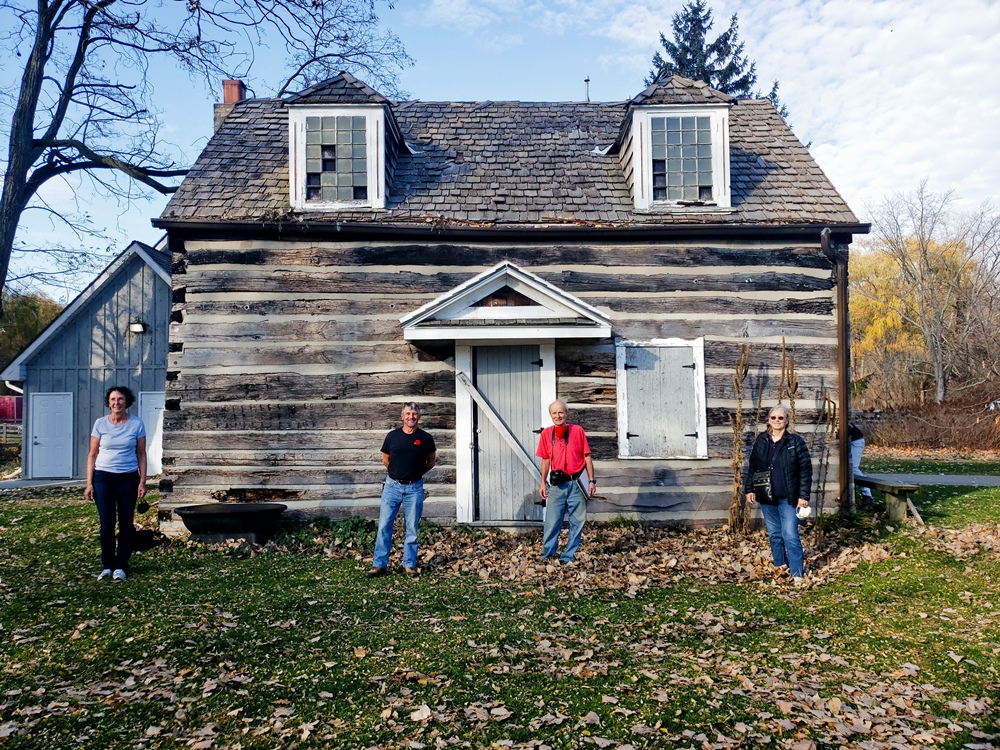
(407, 453)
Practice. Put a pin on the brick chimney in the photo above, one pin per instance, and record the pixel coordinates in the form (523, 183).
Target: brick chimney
(233, 91)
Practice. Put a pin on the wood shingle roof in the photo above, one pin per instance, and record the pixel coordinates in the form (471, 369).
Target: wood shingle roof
(507, 163)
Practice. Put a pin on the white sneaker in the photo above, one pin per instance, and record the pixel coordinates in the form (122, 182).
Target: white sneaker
(104, 574)
(798, 581)
(118, 575)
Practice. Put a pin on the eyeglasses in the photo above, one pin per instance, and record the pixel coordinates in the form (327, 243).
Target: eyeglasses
(777, 419)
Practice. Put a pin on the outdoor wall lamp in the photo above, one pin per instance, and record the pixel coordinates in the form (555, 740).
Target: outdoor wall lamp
(137, 325)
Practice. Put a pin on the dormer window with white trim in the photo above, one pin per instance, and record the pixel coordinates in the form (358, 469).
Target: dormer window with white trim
(681, 157)
(337, 157)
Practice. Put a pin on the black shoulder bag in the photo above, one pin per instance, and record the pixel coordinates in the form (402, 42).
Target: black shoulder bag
(761, 480)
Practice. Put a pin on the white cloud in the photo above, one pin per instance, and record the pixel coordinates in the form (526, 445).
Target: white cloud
(888, 92)
(465, 16)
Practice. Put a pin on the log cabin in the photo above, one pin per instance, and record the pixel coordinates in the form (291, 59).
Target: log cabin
(336, 254)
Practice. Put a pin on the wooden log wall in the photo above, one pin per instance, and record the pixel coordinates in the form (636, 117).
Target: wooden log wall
(288, 363)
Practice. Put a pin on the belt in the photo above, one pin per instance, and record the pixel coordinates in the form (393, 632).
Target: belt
(412, 481)
(572, 477)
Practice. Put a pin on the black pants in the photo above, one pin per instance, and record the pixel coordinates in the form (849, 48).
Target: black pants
(116, 495)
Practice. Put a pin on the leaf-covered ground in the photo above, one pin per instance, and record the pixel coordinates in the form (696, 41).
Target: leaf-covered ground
(655, 638)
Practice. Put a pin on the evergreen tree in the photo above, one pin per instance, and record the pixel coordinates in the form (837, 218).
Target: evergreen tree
(721, 63)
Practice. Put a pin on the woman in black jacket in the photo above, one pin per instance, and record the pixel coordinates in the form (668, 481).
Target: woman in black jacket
(786, 458)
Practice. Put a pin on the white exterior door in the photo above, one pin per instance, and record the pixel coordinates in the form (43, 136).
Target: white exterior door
(151, 405)
(51, 435)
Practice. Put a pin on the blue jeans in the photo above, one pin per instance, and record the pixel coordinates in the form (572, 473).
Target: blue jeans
(562, 500)
(411, 497)
(783, 534)
(115, 496)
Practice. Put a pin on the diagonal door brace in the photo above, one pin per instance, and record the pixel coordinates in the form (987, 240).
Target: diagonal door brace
(502, 428)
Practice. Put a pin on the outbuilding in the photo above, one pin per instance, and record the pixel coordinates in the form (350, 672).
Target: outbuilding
(113, 333)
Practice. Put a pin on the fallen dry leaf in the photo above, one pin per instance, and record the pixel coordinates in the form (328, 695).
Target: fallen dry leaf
(423, 713)
(500, 713)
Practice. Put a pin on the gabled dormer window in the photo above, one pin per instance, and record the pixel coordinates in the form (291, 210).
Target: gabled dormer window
(336, 155)
(680, 157)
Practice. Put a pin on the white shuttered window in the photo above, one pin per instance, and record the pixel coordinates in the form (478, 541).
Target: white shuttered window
(661, 399)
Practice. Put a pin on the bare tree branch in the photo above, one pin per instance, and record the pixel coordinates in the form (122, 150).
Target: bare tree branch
(84, 104)
(947, 279)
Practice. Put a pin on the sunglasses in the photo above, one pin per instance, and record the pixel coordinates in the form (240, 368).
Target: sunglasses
(777, 419)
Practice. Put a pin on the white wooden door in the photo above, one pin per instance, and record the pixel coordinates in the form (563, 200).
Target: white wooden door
(51, 435)
(509, 378)
(151, 405)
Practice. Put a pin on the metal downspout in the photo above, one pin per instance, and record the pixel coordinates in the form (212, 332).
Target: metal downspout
(843, 370)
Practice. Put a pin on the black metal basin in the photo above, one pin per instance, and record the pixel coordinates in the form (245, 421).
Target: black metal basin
(216, 522)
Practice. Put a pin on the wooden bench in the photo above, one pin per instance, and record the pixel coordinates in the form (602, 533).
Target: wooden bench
(897, 497)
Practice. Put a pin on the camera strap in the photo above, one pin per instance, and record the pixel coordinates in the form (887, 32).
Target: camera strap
(565, 452)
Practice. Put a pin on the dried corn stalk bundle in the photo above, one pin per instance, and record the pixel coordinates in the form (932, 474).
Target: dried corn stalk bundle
(828, 419)
(736, 507)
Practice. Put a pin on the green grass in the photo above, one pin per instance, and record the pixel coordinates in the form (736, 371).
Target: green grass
(958, 506)
(203, 648)
(876, 464)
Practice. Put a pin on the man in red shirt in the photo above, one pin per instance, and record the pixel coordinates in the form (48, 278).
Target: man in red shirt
(565, 455)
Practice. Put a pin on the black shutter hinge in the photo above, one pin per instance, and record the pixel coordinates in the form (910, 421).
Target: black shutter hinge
(631, 367)
(629, 435)
(691, 366)
(537, 363)
(691, 434)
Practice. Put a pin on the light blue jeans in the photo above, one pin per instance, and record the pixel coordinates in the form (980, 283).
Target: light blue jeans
(562, 500)
(783, 534)
(411, 498)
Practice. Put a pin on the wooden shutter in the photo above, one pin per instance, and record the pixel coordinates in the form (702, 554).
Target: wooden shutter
(663, 402)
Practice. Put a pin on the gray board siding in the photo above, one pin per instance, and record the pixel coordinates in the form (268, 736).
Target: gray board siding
(95, 350)
(507, 163)
(282, 387)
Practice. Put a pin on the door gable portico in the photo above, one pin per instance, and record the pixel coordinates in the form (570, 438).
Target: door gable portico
(505, 306)
(505, 303)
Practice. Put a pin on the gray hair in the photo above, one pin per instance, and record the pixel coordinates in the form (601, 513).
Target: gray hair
(410, 405)
(787, 414)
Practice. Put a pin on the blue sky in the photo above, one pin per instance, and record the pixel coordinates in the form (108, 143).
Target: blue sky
(888, 91)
